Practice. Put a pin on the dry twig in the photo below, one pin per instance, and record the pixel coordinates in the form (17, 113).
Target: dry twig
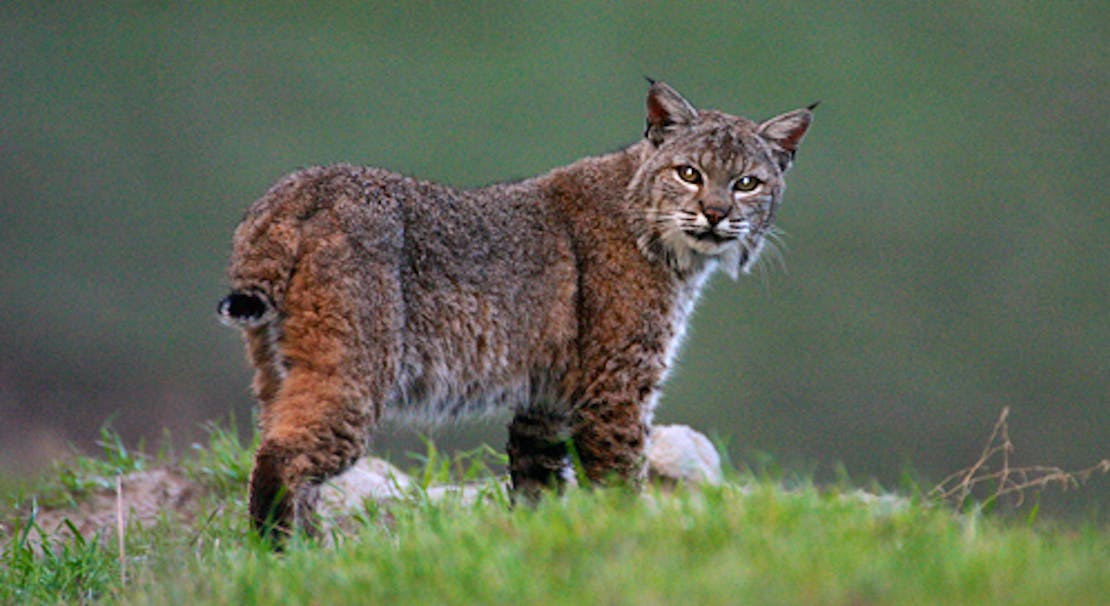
(120, 526)
(1008, 481)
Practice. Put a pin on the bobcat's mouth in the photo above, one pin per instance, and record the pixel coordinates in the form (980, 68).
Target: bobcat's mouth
(739, 251)
(709, 238)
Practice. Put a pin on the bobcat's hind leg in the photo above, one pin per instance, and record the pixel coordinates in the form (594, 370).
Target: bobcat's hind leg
(340, 353)
(269, 368)
(314, 429)
(538, 455)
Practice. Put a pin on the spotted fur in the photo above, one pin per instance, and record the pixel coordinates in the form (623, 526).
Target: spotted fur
(364, 294)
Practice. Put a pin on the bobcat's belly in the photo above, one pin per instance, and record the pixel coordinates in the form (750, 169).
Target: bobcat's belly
(470, 351)
(445, 379)
(434, 396)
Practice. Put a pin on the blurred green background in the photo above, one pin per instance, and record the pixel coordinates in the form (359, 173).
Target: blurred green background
(947, 219)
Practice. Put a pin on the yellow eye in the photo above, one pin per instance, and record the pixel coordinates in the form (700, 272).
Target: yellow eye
(746, 183)
(688, 174)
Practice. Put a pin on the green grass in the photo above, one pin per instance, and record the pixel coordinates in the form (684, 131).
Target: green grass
(749, 541)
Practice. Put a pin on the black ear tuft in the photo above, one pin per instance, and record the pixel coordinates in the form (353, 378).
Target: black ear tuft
(245, 309)
(784, 133)
(665, 110)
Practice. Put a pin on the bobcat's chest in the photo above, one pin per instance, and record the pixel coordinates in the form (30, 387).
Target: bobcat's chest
(686, 299)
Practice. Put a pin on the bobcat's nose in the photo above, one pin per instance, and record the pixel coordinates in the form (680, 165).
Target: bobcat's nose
(714, 214)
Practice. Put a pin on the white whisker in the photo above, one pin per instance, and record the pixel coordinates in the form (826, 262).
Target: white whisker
(772, 250)
(776, 236)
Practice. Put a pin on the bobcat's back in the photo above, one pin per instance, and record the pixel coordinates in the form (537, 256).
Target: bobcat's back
(482, 295)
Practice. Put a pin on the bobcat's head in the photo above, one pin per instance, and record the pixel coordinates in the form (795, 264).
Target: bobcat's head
(709, 182)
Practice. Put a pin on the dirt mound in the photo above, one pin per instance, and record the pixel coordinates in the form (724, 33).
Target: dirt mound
(138, 497)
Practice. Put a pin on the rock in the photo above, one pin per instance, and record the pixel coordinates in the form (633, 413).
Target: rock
(369, 478)
(678, 453)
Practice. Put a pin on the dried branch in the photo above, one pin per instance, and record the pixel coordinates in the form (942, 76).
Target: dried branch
(1009, 482)
(120, 529)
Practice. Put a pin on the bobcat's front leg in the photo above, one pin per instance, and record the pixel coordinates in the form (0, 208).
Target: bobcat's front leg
(610, 430)
(610, 440)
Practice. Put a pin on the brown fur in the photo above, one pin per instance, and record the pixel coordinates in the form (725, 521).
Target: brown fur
(363, 294)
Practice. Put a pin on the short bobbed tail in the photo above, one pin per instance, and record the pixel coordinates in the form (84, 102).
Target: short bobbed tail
(246, 309)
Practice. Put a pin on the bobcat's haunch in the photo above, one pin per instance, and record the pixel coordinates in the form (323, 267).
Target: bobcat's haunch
(364, 294)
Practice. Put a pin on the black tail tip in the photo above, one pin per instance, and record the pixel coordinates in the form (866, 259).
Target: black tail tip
(245, 309)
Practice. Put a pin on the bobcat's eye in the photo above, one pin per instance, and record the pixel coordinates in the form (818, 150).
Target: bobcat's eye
(746, 183)
(689, 174)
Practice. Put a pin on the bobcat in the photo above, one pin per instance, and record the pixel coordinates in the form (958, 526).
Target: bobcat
(365, 294)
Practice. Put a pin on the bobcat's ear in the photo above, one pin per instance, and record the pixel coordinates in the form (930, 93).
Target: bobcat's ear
(665, 110)
(785, 132)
